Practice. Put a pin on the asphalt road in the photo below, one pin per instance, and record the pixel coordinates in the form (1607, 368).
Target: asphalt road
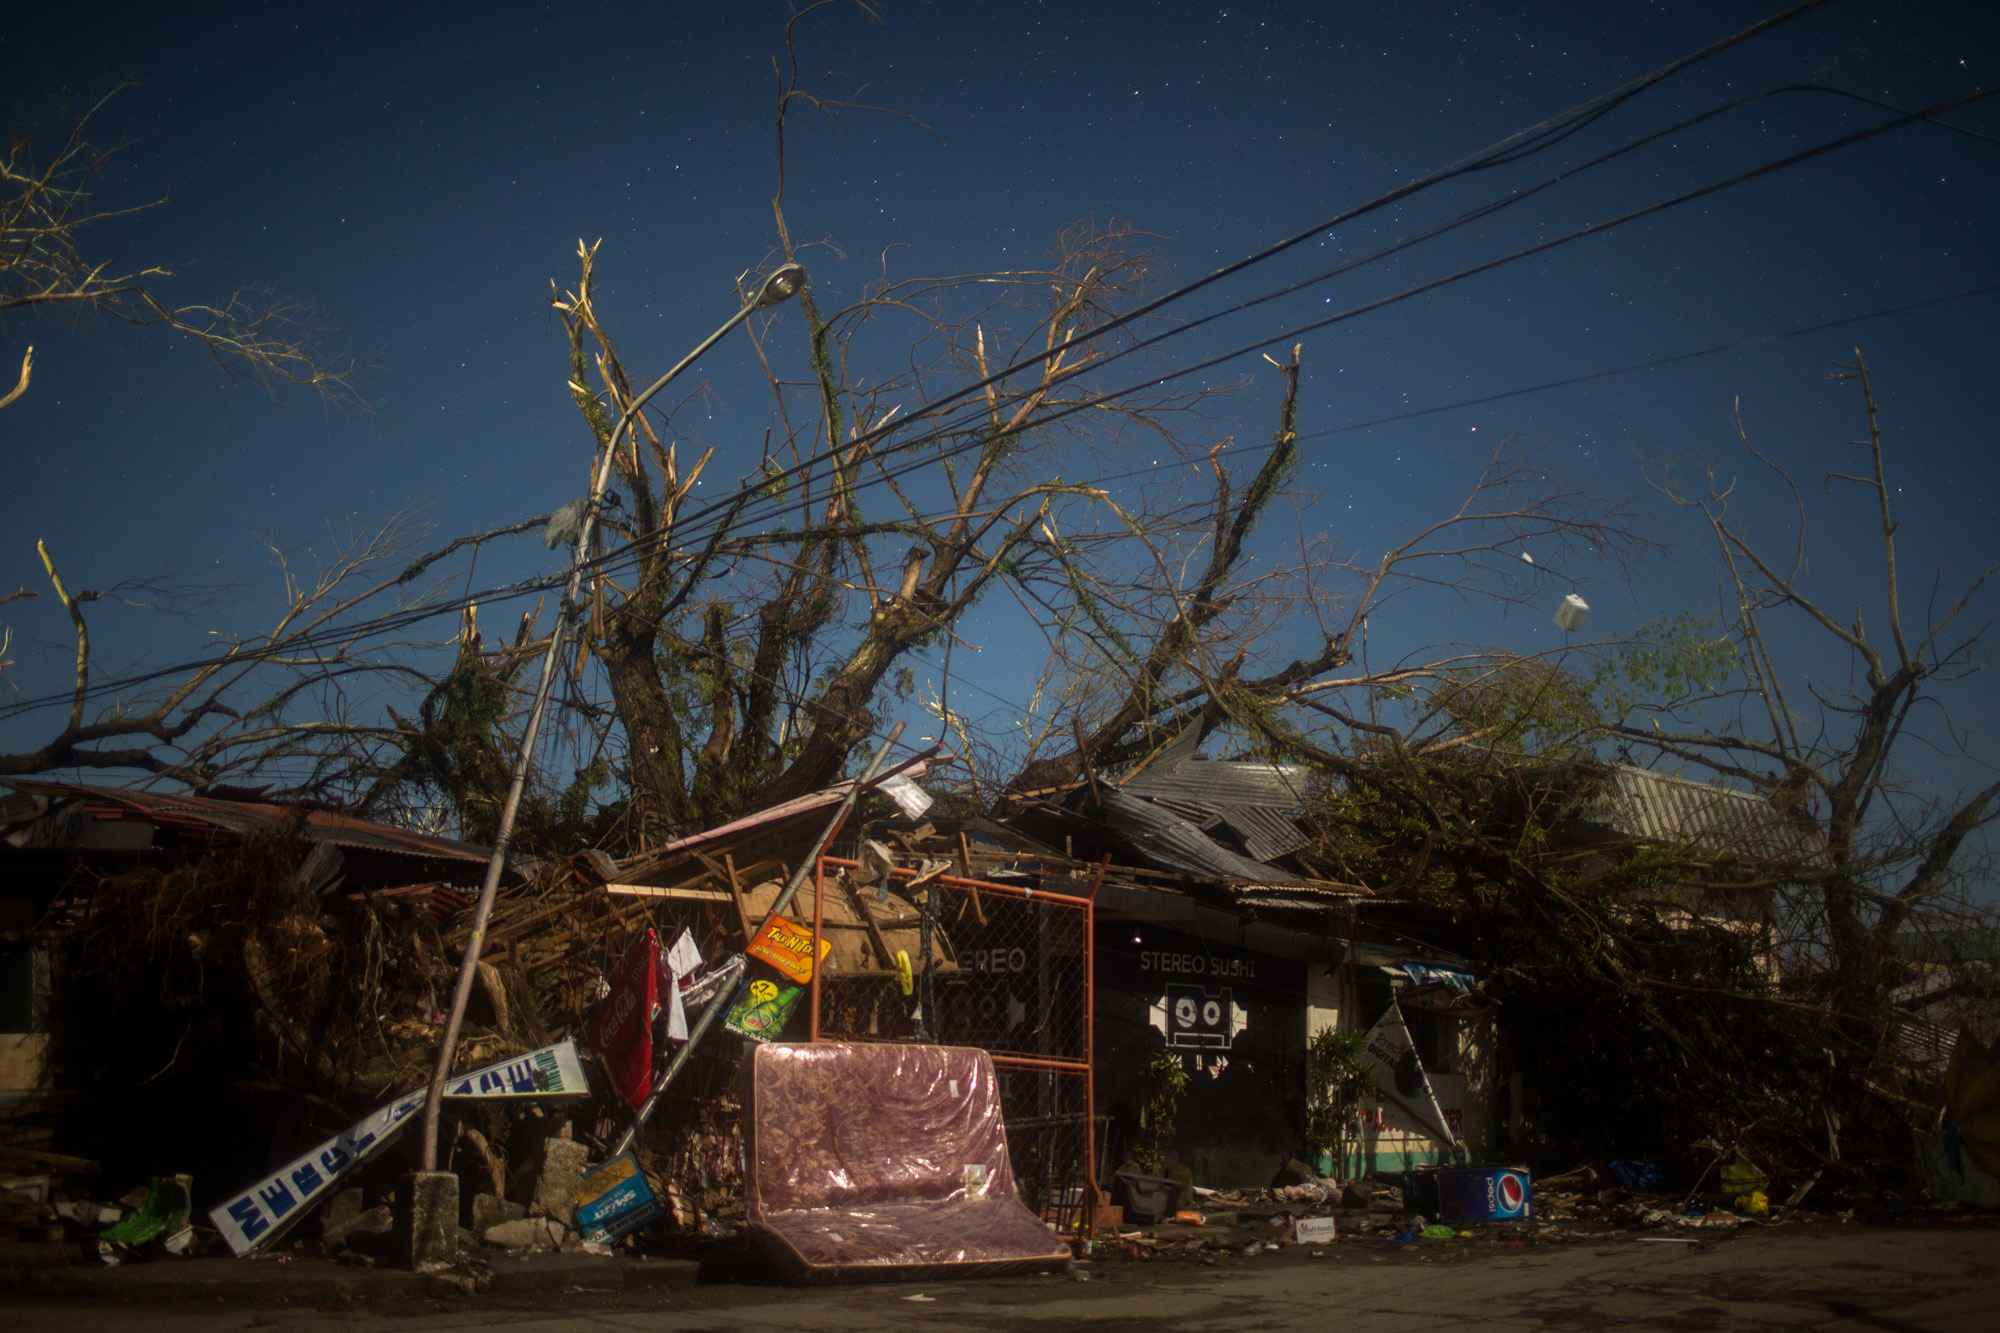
(1832, 1278)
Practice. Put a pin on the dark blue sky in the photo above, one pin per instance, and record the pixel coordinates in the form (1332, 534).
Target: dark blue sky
(421, 172)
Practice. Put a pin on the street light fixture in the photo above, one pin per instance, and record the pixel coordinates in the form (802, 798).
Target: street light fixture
(783, 283)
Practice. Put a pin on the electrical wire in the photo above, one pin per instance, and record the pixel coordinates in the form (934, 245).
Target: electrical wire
(616, 561)
(502, 592)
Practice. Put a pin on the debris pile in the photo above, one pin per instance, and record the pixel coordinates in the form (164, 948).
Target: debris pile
(251, 972)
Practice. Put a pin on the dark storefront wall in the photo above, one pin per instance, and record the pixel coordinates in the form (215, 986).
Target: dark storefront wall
(1237, 1020)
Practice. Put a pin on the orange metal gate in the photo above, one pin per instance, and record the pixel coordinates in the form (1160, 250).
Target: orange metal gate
(1001, 967)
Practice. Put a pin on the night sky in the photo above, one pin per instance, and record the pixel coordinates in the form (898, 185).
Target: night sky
(422, 172)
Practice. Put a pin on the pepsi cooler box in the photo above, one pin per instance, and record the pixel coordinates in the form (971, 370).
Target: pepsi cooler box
(1470, 1193)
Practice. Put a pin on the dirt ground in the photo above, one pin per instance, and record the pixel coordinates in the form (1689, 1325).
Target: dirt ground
(1832, 1277)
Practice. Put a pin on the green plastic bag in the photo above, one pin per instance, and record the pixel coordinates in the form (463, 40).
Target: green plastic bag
(164, 1212)
(1438, 1231)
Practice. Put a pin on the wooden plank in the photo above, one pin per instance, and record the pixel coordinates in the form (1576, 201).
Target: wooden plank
(55, 1161)
(742, 903)
(883, 954)
(654, 891)
(965, 859)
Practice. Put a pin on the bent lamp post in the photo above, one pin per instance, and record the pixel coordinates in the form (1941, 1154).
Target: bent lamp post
(780, 286)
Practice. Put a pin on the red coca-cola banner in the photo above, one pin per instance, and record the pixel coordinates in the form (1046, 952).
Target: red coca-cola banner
(621, 1031)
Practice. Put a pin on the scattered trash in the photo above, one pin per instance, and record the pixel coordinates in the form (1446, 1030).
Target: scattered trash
(162, 1217)
(1639, 1177)
(763, 1010)
(1315, 1230)
(88, 1215)
(1470, 1194)
(614, 1200)
(1148, 1198)
(1742, 1177)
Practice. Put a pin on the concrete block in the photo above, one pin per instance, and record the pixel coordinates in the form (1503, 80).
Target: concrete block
(490, 1210)
(561, 1175)
(342, 1208)
(525, 1232)
(354, 1225)
(426, 1213)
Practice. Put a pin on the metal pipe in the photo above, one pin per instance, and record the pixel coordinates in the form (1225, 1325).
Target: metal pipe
(798, 878)
(724, 993)
(780, 286)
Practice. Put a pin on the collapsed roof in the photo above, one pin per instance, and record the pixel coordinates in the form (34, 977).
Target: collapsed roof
(48, 816)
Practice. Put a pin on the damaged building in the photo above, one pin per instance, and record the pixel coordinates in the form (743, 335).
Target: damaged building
(1071, 937)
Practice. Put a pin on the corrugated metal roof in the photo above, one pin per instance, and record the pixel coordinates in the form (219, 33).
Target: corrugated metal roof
(206, 816)
(1254, 798)
(1698, 816)
(776, 814)
(1265, 832)
(1167, 841)
(1223, 782)
(653, 860)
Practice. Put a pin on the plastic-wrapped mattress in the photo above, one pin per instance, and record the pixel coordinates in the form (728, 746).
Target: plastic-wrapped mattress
(873, 1163)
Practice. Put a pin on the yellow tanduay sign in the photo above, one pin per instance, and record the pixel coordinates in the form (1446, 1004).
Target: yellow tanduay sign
(787, 947)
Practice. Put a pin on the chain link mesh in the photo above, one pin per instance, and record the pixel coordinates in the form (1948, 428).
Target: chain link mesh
(1009, 972)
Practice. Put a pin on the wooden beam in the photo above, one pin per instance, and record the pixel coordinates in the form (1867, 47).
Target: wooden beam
(655, 891)
(882, 950)
(742, 903)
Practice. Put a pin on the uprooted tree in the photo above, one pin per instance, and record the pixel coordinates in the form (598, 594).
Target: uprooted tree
(1744, 989)
(51, 264)
(745, 651)
(251, 699)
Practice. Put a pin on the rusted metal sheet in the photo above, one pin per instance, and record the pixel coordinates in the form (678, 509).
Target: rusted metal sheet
(1699, 816)
(1253, 799)
(206, 818)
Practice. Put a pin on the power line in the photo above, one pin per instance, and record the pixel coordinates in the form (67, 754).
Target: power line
(616, 561)
(1423, 288)
(1516, 147)
(504, 592)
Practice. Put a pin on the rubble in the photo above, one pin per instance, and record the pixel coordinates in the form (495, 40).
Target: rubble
(556, 1184)
(367, 1229)
(525, 1232)
(490, 1210)
(328, 1007)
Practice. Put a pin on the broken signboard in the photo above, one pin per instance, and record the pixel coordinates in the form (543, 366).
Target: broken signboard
(614, 1199)
(266, 1210)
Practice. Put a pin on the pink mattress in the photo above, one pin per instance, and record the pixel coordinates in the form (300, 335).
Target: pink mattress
(879, 1162)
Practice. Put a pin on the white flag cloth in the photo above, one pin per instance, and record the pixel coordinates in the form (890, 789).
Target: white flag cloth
(1400, 1074)
(680, 962)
